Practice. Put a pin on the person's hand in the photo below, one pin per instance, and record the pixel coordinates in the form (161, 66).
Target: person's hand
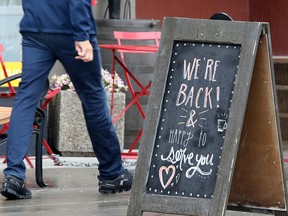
(84, 50)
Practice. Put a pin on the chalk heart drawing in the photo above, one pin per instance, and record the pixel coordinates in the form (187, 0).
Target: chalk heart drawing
(166, 169)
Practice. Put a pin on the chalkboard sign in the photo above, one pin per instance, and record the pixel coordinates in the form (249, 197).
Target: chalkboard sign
(194, 118)
(213, 93)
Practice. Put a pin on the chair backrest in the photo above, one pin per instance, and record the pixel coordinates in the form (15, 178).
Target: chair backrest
(135, 38)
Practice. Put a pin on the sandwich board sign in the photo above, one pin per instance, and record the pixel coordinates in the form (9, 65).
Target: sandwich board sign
(211, 138)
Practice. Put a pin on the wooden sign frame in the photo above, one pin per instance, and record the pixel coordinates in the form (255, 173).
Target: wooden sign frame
(250, 131)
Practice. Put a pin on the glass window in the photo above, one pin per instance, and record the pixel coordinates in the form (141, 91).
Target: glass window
(10, 16)
(10, 2)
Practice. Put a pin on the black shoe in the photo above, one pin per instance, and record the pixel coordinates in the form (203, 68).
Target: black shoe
(14, 188)
(122, 183)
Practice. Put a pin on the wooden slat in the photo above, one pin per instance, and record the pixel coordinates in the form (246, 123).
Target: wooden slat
(283, 124)
(280, 59)
(282, 87)
(5, 113)
(282, 95)
(283, 115)
(281, 73)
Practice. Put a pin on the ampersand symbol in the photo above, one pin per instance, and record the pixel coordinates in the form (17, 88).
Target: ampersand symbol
(191, 121)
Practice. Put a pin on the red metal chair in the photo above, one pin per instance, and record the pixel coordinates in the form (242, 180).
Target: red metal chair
(140, 40)
(135, 37)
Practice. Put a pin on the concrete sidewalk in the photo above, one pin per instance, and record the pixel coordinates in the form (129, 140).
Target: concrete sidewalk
(73, 190)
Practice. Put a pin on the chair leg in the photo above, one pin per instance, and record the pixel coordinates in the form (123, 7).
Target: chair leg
(130, 153)
(38, 162)
(5, 127)
(49, 150)
(51, 153)
(136, 140)
(38, 150)
(29, 162)
(26, 158)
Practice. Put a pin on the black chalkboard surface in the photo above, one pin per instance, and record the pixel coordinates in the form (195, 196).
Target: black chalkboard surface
(194, 118)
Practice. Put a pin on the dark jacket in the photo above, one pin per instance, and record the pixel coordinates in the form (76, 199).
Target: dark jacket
(59, 16)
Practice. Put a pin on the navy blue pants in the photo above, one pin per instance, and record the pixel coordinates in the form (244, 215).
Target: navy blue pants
(40, 51)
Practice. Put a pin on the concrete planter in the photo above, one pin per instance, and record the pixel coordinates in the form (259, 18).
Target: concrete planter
(67, 128)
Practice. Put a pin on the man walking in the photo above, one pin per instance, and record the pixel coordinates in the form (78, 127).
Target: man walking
(62, 30)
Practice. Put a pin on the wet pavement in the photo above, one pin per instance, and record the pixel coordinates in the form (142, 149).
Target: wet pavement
(73, 191)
